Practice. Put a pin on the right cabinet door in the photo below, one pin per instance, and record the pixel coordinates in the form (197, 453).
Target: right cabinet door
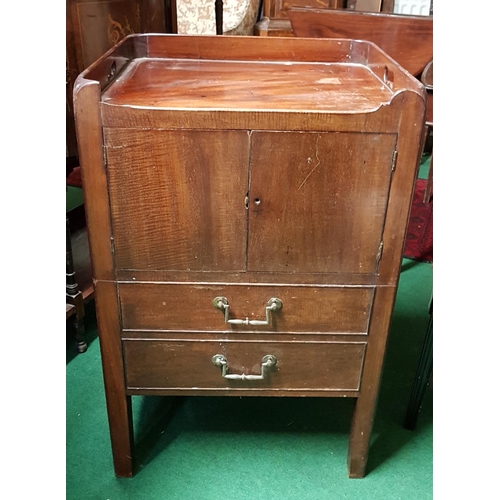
(317, 200)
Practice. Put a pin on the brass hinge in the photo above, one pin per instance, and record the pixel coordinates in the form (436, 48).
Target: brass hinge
(379, 254)
(394, 158)
(105, 157)
(112, 245)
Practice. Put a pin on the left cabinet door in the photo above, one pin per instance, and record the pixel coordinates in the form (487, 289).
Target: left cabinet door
(178, 198)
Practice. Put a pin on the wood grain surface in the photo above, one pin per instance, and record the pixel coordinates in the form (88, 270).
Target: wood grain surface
(195, 84)
(321, 207)
(408, 39)
(151, 306)
(300, 366)
(178, 198)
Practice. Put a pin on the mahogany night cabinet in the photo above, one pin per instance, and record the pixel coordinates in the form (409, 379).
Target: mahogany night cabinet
(247, 201)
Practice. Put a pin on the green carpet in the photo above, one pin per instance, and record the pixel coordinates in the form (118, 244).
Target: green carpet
(74, 198)
(251, 448)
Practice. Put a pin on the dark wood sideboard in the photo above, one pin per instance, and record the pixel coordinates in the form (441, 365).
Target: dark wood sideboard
(247, 201)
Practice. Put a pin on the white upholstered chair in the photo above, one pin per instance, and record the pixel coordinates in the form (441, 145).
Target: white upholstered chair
(197, 17)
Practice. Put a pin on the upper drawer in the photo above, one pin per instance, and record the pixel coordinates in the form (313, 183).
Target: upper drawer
(191, 307)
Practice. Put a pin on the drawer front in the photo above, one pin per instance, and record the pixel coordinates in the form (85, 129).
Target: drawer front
(166, 307)
(189, 364)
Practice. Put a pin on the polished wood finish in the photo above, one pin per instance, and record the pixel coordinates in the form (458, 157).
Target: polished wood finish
(191, 231)
(370, 5)
(301, 366)
(254, 85)
(147, 306)
(290, 216)
(366, 5)
(92, 28)
(118, 403)
(408, 39)
(278, 9)
(275, 22)
(285, 169)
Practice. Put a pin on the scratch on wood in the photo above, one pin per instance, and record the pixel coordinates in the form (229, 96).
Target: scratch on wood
(315, 166)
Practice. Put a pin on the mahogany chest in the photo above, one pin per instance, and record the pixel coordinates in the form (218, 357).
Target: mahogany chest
(247, 201)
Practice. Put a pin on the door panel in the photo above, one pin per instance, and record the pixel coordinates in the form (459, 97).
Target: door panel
(328, 188)
(178, 198)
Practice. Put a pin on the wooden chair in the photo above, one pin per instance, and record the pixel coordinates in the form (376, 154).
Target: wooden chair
(196, 17)
(427, 79)
(422, 377)
(407, 39)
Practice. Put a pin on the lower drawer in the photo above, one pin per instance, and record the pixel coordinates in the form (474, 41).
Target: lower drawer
(243, 365)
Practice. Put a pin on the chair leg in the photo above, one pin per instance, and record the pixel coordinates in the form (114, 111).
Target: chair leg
(428, 188)
(422, 378)
(218, 16)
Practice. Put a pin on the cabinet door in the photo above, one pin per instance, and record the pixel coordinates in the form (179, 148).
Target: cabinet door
(318, 200)
(178, 198)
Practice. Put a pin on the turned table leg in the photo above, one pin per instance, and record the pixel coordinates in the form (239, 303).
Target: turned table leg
(74, 296)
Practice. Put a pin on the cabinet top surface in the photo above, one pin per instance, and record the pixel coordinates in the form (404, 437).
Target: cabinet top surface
(176, 83)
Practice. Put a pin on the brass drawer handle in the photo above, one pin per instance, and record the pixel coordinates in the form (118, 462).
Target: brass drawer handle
(222, 304)
(267, 362)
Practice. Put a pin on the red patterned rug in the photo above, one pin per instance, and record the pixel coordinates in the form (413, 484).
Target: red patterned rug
(418, 245)
(74, 178)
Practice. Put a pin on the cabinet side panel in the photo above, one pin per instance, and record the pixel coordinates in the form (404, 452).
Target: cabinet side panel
(178, 198)
(409, 148)
(318, 201)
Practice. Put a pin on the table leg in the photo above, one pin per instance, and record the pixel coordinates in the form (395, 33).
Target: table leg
(171, 16)
(359, 440)
(119, 404)
(74, 296)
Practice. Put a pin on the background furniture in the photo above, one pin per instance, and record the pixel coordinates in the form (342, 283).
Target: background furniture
(74, 297)
(79, 286)
(422, 376)
(408, 39)
(212, 281)
(93, 27)
(235, 17)
(427, 79)
(275, 20)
